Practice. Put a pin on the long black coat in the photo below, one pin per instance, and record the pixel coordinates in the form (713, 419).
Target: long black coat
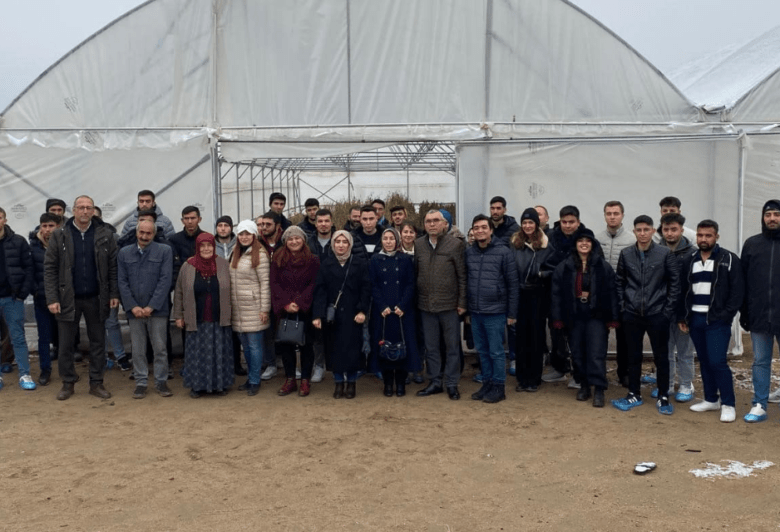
(392, 284)
(344, 337)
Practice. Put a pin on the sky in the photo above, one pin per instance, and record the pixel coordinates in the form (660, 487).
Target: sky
(34, 34)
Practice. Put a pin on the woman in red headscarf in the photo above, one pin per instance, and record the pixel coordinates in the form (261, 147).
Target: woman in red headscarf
(201, 306)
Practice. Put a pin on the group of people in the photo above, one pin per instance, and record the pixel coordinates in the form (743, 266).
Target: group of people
(383, 296)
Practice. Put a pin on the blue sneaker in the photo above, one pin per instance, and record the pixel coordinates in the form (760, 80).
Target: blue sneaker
(664, 406)
(512, 368)
(757, 414)
(26, 383)
(648, 379)
(628, 402)
(109, 363)
(477, 378)
(6, 368)
(684, 395)
(654, 393)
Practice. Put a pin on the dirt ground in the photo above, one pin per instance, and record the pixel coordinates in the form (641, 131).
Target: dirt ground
(533, 462)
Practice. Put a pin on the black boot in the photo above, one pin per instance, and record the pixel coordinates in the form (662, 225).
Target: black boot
(495, 394)
(598, 397)
(388, 390)
(480, 394)
(388, 378)
(338, 393)
(584, 392)
(350, 391)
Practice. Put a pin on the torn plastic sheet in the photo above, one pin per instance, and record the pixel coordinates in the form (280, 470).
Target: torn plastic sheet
(734, 469)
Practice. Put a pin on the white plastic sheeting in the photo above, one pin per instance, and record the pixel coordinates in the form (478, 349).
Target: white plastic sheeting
(762, 170)
(701, 172)
(30, 174)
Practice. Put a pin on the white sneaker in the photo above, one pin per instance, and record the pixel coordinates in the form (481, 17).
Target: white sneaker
(774, 397)
(269, 373)
(573, 384)
(706, 406)
(316, 375)
(728, 414)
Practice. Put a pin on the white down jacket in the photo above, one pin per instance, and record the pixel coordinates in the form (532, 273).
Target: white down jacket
(250, 292)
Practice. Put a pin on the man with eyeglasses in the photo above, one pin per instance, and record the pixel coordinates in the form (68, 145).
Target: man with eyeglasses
(80, 278)
(441, 297)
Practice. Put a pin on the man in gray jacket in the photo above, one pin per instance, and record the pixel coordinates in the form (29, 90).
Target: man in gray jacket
(613, 240)
(145, 273)
(493, 292)
(147, 201)
(441, 298)
(79, 273)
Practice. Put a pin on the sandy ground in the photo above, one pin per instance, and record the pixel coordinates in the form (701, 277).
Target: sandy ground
(533, 462)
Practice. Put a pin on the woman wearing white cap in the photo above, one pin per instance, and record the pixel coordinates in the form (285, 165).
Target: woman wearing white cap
(250, 298)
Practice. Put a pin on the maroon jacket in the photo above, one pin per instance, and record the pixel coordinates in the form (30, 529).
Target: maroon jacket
(293, 284)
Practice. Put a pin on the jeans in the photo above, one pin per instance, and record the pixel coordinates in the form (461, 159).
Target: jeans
(13, 312)
(252, 342)
(153, 328)
(762, 365)
(345, 377)
(447, 325)
(712, 344)
(588, 343)
(657, 329)
(488, 331)
(45, 322)
(114, 333)
(682, 363)
(96, 331)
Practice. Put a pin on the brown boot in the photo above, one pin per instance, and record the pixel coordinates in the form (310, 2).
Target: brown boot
(289, 386)
(96, 389)
(66, 392)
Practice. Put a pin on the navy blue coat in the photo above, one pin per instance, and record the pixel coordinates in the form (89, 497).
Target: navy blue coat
(492, 286)
(392, 285)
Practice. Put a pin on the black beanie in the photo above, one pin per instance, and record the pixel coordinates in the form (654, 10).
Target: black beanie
(55, 201)
(530, 214)
(771, 205)
(225, 219)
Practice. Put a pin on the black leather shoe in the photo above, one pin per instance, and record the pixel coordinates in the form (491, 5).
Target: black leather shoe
(45, 378)
(243, 387)
(338, 393)
(453, 392)
(350, 391)
(598, 398)
(583, 394)
(400, 390)
(431, 389)
(388, 390)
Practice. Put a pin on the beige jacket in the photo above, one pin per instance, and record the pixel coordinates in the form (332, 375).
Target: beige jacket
(250, 292)
(184, 296)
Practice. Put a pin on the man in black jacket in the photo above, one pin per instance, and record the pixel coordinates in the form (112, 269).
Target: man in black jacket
(80, 275)
(648, 287)
(309, 223)
(760, 313)
(713, 293)
(44, 320)
(504, 226)
(17, 281)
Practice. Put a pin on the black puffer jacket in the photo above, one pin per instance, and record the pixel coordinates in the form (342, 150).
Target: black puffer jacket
(761, 269)
(650, 287)
(19, 269)
(602, 299)
(535, 267)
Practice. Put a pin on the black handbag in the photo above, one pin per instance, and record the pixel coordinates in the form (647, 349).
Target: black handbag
(389, 351)
(292, 332)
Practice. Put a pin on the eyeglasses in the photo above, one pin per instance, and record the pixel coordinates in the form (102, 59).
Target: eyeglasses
(84, 208)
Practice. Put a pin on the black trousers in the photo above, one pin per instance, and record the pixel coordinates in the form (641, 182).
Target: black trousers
(657, 329)
(96, 332)
(531, 337)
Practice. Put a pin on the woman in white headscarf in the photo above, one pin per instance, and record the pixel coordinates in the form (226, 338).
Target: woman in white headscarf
(393, 317)
(343, 285)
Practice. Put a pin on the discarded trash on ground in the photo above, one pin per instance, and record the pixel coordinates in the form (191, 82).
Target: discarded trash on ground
(642, 468)
(734, 469)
